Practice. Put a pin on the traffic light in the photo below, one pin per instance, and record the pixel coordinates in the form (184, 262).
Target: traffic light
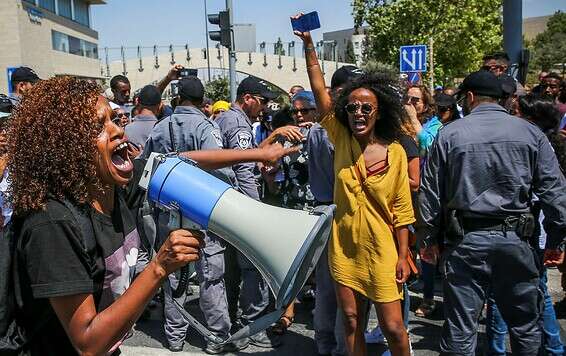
(224, 36)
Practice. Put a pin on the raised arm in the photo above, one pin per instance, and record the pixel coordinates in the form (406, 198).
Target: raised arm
(316, 78)
(172, 75)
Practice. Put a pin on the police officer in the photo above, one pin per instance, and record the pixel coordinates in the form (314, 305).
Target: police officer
(23, 79)
(236, 127)
(188, 129)
(477, 184)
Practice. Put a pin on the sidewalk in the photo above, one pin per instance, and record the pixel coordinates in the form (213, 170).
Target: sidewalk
(148, 338)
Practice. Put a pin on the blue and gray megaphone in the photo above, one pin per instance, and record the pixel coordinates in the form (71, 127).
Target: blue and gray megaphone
(283, 244)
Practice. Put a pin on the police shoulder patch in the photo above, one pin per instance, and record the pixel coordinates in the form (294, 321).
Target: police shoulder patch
(217, 137)
(244, 139)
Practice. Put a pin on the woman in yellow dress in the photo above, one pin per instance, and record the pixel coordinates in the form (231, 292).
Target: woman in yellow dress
(368, 250)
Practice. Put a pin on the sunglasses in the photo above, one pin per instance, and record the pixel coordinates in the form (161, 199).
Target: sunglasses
(123, 114)
(366, 108)
(413, 99)
(444, 108)
(302, 111)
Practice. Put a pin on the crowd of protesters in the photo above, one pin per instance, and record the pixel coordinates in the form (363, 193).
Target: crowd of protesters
(471, 179)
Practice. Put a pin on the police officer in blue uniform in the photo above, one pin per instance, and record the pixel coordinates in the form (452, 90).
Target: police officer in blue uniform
(188, 129)
(236, 127)
(477, 186)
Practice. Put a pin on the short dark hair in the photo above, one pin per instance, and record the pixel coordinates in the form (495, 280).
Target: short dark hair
(118, 79)
(484, 98)
(488, 57)
(391, 111)
(553, 75)
(282, 118)
(198, 102)
(502, 57)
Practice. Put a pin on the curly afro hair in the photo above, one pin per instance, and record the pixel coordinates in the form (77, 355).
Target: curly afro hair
(52, 144)
(392, 114)
(541, 110)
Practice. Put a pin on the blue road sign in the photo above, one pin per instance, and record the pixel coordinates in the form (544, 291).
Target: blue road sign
(412, 58)
(9, 72)
(414, 77)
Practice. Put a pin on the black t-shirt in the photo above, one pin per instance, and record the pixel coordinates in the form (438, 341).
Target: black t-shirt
(53, 262)
(412, 151)
(410, 146)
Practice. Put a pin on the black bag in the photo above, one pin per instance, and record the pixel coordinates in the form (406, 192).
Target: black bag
(13, 337)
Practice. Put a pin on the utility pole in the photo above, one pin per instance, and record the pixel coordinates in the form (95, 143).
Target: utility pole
(431, 66)
(232, 53)
(206, 36)
(513, 34)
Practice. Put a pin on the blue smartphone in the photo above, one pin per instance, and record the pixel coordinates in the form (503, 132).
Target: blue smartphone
(306, 23)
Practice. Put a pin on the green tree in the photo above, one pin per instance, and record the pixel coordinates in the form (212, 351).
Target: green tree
(549, 48)
(218, 89)
(463, 31)
(372, 66)
(350, 57)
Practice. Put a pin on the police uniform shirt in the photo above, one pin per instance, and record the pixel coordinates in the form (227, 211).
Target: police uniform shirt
(236, 129)
(190, 131)
(321, 169)
(138, 131)
(490, 163)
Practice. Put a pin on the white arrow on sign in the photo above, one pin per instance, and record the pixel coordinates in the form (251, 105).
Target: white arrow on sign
(413, 60)
(420, 57)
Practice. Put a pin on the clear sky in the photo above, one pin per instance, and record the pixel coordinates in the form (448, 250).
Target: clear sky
(163, 22)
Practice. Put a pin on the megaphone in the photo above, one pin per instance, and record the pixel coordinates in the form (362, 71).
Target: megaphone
(283, 244)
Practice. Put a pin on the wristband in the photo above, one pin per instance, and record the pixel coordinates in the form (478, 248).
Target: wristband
(310, 48)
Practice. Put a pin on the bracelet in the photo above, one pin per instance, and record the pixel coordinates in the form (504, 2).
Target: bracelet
(309, 49)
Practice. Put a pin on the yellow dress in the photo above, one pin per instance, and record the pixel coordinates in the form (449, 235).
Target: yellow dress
(362, 253)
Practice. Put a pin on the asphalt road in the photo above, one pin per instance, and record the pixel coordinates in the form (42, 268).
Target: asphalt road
(148, 337)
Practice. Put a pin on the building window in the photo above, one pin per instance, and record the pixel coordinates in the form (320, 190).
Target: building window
(30, 1)
(91, 50)
(47, 5)
(64, 7)
(73, 45)
(60, 41)
(81, 13)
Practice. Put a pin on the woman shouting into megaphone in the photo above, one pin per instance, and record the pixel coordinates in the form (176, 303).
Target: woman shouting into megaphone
(76, 241)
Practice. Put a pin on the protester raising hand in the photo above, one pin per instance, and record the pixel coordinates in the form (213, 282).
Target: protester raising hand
(316, 78)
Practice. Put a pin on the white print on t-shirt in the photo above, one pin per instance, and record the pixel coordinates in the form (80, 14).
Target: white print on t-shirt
(120, 268)
(122, 282)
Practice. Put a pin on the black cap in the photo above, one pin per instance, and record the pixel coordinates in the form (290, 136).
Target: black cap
(191, 88)
(508, 85)
(443, 100)
(149, 96)
(253, 85)
(482, 83)
(343, 75)
(24, 74)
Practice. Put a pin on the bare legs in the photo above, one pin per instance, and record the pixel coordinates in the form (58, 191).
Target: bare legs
(390, 316)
